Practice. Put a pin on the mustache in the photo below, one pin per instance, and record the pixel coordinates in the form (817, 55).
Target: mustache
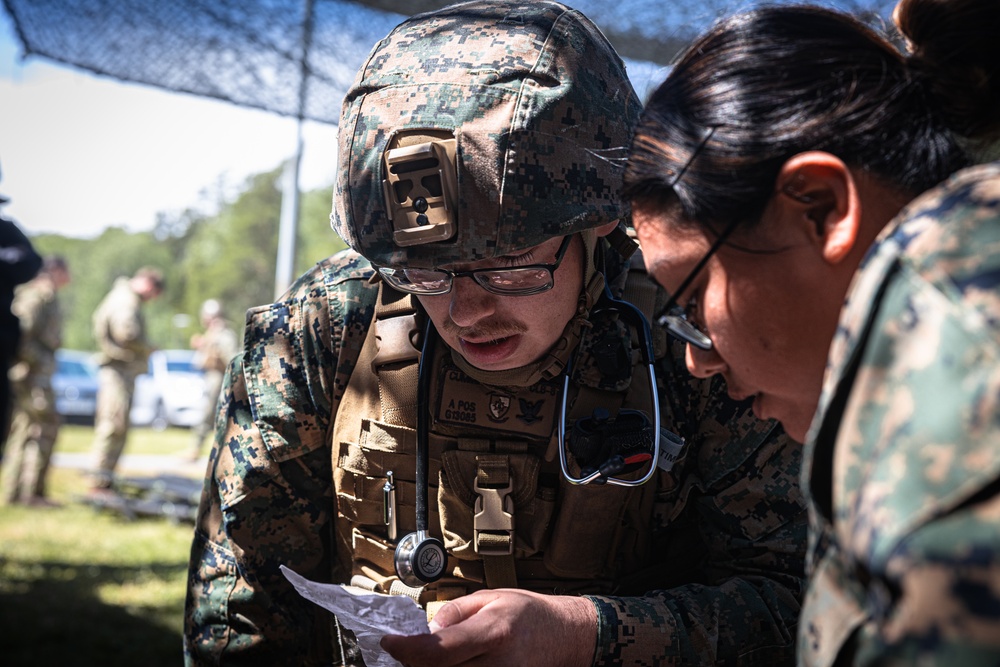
(486, 330)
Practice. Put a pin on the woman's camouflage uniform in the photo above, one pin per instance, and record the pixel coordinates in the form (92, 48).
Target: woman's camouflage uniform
(904, 462)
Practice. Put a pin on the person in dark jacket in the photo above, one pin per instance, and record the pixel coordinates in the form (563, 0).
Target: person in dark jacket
(18, 264)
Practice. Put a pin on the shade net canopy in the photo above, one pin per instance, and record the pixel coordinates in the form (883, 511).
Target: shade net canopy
(298, 57)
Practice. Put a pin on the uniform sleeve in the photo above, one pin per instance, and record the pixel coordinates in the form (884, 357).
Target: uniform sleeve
(731, 542)
(267, 499)
(921, 467)
(906, 458)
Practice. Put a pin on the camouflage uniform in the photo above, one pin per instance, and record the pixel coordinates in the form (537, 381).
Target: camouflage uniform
(906, 510)
(219, 345)
(120, 330)
(724, 567)
(538, 111)
(35, 422)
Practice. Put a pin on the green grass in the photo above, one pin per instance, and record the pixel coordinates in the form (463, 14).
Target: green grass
(75, 439)
(83, 587)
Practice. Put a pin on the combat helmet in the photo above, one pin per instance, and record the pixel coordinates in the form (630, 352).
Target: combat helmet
(482, 129)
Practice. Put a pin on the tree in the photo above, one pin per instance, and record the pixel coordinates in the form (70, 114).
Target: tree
(317, 240)
(228, 256)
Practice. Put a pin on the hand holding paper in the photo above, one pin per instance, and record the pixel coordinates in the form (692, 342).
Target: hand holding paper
(370, 616)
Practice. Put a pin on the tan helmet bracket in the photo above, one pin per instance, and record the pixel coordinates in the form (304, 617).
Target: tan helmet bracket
(421, 186)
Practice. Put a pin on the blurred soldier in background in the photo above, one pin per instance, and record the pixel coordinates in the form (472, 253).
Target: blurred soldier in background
(215, 347)
(120, 331)
(18, 264)
(35, 422)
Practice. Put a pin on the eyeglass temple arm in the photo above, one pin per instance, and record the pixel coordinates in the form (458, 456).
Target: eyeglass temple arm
(720, 239)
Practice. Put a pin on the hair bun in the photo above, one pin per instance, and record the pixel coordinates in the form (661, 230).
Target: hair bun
(954, 51)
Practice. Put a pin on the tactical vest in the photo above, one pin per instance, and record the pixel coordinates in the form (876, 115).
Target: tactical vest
(497, 499)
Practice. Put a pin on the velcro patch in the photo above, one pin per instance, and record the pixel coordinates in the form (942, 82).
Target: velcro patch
(465, 402)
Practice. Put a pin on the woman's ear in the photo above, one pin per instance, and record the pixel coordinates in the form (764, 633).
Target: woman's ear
(821, 194)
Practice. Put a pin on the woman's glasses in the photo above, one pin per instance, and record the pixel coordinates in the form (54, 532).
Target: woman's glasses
(674, 318)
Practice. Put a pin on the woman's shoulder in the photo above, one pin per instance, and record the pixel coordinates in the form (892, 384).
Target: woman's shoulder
(950, 235)
(958, 203)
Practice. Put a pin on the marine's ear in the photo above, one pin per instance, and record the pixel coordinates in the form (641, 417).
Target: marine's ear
(818, 191)
(604, 230)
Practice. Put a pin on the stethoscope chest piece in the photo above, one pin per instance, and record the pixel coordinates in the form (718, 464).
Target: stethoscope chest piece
(419, 559)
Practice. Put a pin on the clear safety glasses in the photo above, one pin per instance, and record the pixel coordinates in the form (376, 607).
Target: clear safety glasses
(512, 281)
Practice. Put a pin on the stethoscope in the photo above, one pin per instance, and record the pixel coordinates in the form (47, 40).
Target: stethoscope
(419, 558)
(605, 473)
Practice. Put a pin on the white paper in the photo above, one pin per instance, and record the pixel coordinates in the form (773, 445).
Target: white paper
(369, 616)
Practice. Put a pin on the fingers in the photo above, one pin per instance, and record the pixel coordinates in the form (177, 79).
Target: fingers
(503, 628)
(416, 650)
(447, 648)
(456, 611)
(458, 636)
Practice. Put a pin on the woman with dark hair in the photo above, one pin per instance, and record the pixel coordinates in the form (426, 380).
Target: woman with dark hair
(799, 185)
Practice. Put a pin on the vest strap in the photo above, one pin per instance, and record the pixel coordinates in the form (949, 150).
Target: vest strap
(399, 588)
(493, 521)
(499, 571)
(397, 329)
(395, 336)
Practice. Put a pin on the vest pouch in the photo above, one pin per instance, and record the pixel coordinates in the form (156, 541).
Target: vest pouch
(360, 474)
(373, 558)
(457, 503)
(586, 528)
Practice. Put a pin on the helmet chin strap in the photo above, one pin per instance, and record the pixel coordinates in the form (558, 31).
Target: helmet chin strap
(554, 362)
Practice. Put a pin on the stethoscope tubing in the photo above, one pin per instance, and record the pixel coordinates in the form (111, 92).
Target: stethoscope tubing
(641, 325)
(423, 446)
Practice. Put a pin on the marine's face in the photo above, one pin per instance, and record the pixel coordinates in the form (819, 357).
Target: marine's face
(496, 332)
(768, 314)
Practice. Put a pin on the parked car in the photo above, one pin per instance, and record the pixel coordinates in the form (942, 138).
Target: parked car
(170, 393)
(75, 386)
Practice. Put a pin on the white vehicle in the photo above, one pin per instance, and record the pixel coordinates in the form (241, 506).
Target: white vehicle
(170, 393)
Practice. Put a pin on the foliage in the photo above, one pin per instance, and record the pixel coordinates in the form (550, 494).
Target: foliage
(229, 256)
(316, 239)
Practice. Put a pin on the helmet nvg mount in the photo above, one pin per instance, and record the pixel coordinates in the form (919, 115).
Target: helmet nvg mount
(479, 130)
(421, 194)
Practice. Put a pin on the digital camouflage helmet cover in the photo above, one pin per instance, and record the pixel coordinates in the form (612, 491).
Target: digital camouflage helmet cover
(479, 130)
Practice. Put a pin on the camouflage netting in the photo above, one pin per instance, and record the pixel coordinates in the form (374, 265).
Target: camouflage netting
(255, 53)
